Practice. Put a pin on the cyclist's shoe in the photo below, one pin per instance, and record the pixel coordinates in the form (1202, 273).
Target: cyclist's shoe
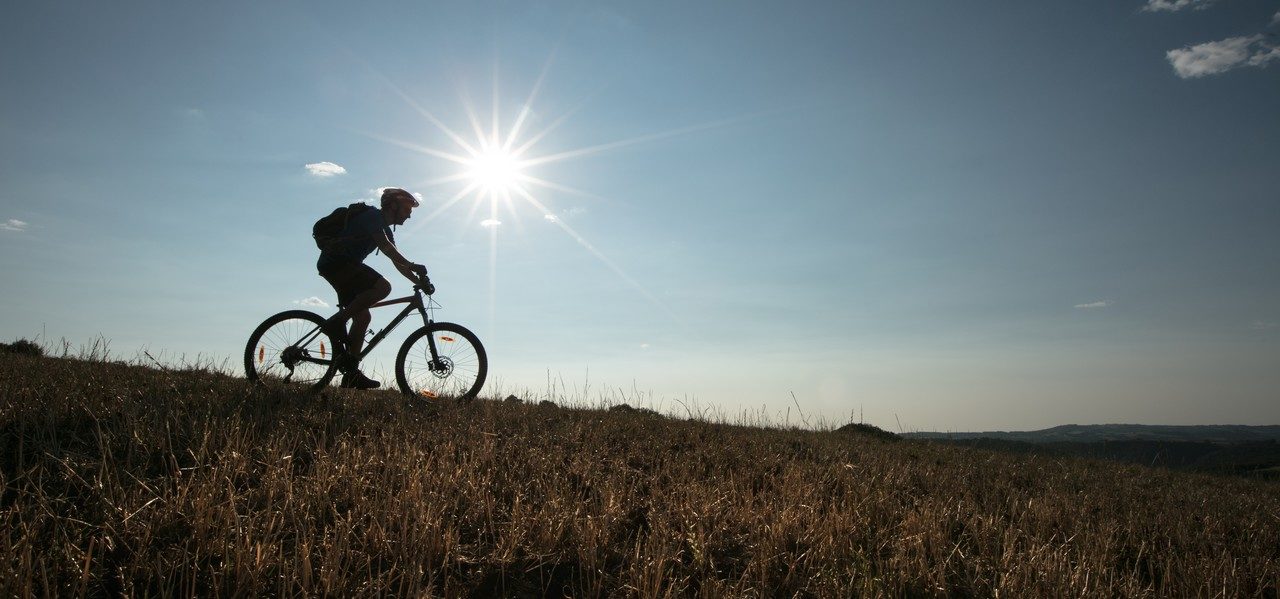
(357, 380)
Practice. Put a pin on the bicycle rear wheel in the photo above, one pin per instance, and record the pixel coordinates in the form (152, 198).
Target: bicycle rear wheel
(457, 370)
(291, 347)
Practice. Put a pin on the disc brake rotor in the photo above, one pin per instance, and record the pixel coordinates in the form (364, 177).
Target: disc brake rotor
(442, 367)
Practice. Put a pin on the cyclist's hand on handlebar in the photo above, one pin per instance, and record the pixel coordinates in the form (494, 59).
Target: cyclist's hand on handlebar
(423, 280)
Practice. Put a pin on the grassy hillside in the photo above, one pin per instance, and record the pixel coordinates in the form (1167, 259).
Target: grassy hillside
(127, 479)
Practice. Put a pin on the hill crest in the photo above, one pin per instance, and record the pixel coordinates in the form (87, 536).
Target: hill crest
(1089, 433)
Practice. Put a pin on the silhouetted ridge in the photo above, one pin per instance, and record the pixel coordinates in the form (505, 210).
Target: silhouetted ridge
(859, 428)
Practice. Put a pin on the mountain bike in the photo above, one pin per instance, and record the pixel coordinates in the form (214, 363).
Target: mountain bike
(439, 360)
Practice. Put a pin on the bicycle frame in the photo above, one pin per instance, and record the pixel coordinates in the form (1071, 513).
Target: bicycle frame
(415, 303)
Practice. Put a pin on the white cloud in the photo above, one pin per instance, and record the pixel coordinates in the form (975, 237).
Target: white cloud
(1175, 5)
(1211, 58)
(13, 224)
(1262, 325)
(644, 346)
(312, 302)
(565, 215)
(325, 169)
(1275, 19)
(1264, 55)
(490, 223)
(1091, 305)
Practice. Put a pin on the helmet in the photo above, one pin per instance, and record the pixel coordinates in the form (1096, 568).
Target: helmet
(392, 195)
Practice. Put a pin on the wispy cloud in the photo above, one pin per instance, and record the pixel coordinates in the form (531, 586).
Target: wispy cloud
(1275, 19)
(325, 169)
(312, 302)
(1092, 305)
(1265, 55)
(1262, 325)
(1176, 5)
(571, 213)
(489, 223)
(1212, 58)
(14, 225)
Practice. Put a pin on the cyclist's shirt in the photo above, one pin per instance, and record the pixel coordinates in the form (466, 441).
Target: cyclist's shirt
(358, 240)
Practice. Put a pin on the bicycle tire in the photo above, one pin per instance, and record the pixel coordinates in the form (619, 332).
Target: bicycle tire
(275, 341)
(466, 363)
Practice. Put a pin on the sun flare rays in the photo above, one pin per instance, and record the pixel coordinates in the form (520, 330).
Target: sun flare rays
(496, 171)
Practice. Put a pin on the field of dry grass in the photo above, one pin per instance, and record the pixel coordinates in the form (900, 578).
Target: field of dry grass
(124, 479)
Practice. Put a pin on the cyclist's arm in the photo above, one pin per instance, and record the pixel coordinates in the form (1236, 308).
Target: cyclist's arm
(401, 263)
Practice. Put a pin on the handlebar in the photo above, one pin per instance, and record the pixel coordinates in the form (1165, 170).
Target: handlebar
(424, 282)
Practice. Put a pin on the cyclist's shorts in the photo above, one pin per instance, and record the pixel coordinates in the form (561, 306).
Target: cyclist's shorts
(350, 279)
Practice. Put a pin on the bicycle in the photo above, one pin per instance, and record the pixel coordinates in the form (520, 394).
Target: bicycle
(437, 361)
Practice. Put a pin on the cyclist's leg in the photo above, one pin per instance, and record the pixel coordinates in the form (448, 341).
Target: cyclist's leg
(373, 289)
(349, 281)
(357, 287)
(358, 309)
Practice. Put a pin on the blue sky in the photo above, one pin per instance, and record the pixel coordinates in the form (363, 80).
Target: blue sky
(937, 215)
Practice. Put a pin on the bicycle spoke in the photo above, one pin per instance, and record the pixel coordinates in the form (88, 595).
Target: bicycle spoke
(290, 347)
(458, 371)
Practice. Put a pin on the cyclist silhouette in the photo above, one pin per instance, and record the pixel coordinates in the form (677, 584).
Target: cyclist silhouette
(359, 287)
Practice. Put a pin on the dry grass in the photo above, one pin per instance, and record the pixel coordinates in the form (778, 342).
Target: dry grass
(122, 479)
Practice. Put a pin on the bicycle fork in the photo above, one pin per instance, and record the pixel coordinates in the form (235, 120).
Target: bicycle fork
(436, 364)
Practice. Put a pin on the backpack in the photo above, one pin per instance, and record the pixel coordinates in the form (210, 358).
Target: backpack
(328, 230)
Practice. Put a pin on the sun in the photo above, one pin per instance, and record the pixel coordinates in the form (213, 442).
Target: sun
(497, 168)
(494, 169)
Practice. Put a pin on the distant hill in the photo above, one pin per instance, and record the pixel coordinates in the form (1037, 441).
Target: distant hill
(1223, 449)
(1092, 433)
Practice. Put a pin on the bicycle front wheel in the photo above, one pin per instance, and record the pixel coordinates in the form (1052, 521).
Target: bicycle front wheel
(290, 347)
(442, 360)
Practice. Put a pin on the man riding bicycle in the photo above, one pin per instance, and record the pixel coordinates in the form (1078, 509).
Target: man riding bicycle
(359, 287)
